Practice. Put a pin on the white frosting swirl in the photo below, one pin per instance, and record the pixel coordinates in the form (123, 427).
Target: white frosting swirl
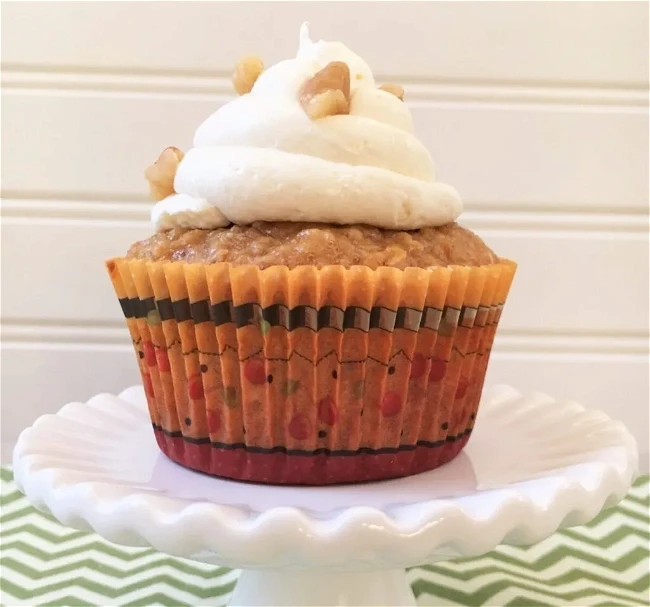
(261, 158)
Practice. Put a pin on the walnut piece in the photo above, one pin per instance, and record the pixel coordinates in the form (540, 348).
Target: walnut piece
(247, 71)
(327, 92)
(161, 173)
(393, 89)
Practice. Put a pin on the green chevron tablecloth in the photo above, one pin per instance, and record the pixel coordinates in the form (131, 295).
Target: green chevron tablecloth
(604, 563)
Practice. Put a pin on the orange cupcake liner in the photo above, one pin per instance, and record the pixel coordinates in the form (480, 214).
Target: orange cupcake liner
(311, 376)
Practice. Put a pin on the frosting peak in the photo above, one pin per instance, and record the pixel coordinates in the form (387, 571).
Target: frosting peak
(263, 157)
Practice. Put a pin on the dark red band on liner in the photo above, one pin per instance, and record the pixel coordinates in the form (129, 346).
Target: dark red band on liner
(281, 468)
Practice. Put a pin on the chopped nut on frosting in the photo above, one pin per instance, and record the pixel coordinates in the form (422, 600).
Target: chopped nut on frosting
(284, 152)
(393, 89)
(161, 173)
(327, 92)
(247, 71)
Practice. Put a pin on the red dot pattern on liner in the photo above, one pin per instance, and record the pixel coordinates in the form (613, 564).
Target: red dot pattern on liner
(149, 353)
(148, 385)
(255, 372)
(461, 390)
(163, 361)
(327, 412)
(214, 421)
(418, 366)
(438, 369)
(195, 387)
(391, 404)
(299, 427)
(111, 267)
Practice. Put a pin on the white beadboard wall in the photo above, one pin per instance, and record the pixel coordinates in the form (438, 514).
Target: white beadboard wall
(537, 112)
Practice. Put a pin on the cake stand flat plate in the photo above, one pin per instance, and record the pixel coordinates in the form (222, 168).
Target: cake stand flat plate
(533, 465)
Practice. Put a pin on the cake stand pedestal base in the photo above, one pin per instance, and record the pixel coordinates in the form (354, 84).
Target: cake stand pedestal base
(309, 588)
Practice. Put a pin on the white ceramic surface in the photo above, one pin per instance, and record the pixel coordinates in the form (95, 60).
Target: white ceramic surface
(531, 466)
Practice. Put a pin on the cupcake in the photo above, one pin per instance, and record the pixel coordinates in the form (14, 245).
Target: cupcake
(308, 311)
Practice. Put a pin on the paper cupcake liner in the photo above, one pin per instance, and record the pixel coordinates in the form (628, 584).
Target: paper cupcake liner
(311, 376)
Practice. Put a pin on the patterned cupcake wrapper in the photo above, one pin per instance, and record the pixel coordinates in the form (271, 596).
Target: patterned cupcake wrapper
(309, 376)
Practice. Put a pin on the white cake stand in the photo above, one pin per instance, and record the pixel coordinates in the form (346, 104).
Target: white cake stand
(532, 466)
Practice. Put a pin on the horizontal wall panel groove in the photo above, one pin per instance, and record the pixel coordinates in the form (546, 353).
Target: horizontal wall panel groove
(590, 42)
(139, 204)
(19, 71)
(514, 155)
(35, 345)
(509, 342)
(125, 77)
(12, 209)
(23, 210)
(35, 335)
(218, 87)
(534, 220)
(567, 280)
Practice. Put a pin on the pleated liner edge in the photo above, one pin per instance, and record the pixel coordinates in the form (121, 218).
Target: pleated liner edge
(311, 376)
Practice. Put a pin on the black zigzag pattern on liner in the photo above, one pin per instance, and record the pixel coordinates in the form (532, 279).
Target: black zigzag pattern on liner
(320, 451)
(332, 317)
(315, 362)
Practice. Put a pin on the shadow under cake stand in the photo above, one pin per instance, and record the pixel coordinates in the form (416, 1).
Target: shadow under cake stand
(532, 466)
